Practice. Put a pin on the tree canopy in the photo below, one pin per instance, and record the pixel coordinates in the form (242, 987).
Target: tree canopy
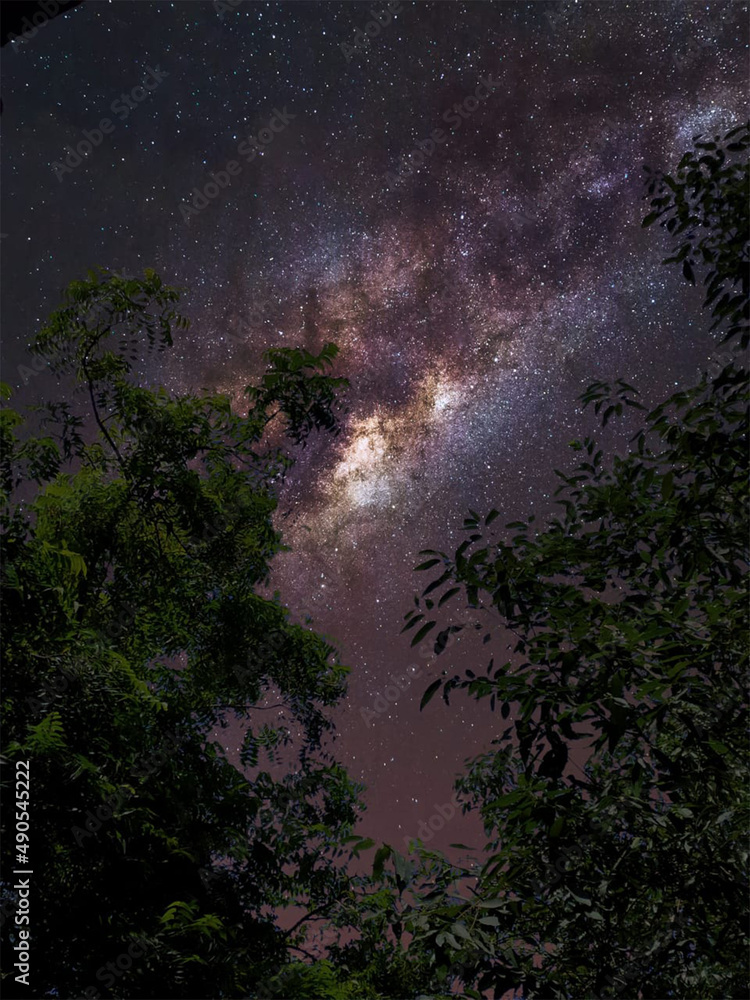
(615, 798)
(136, 630)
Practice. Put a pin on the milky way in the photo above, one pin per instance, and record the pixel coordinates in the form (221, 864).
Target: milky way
(472, 302)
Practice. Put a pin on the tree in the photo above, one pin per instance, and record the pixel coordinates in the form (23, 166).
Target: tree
(137, 538)
(705, 204)
(626, 877)
(374, 926)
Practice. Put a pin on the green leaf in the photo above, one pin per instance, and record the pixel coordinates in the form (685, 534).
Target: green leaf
(427, 627)
(557, 826)
(427, 696)
(381, 856)
(363, 845)
(412, 623)
(428, 564)
(447, 595)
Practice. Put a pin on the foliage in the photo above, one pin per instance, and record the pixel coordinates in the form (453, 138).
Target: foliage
(137, 538)
(318, 981)
(706, 205)
(615, 798)
(378, 924)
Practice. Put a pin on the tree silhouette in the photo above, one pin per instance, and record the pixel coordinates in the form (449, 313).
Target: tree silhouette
(630, 609)
(136, 540)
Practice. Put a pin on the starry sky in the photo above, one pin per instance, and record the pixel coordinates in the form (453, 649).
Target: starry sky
(280, 161)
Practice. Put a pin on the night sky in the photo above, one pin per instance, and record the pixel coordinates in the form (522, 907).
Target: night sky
(473, 301)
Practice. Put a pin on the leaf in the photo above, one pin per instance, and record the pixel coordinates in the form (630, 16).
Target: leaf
(427, 627)
(404, 868)
(427, 696)
(580, 899)
(428, 564)
(441, 640)
(436, 583)
(557, 826)
(363, 845)
(412, 623)
(447, 595)
(47, 736)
